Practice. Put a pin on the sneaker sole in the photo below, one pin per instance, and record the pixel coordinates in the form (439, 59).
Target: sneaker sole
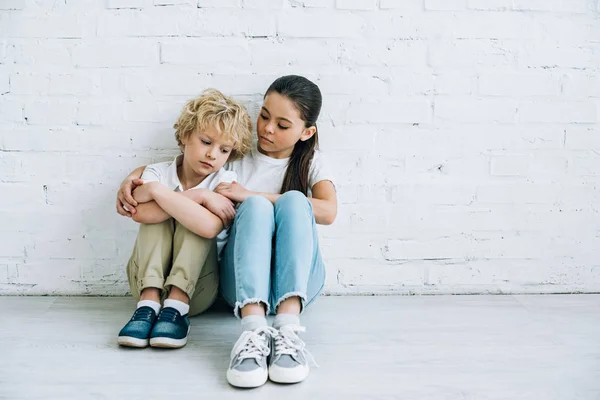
(288, 375)
(129, 341)
(252, 379)
(169, 343)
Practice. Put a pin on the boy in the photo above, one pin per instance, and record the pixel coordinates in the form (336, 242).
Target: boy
(175, 255)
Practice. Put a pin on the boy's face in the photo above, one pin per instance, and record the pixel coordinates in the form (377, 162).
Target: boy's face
(206, 151)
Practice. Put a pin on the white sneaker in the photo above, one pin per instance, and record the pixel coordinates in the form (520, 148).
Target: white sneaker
(248, 366)
(289, 363)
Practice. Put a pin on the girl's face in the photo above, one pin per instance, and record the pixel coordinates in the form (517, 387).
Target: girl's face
(279, 127)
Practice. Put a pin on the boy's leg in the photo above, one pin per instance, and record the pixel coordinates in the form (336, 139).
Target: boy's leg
(195, 269)
(193, 276)
(151, 257)
(146, 270)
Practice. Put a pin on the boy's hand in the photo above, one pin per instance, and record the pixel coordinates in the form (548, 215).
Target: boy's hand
(219, 205)
(233, 191)
(145, 192)
(126, 204)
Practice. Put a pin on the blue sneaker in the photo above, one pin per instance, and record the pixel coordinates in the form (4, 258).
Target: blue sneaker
(136, 332)
(170, 330)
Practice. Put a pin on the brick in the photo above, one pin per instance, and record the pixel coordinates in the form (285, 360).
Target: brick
(24, 138)
(457, 109)
(445, 5)
(176, 2)
(519, 85)
(260, 4)
(356, 4)
(121, 53)
(292, 52)
(48, 52)
(490, 5)
(4, 82)
(135, 23)
(35, 84)
(406, 5)
(323, 25)
(468, 53)
(557, 56)
(12, 5)
(311, 3)
(582, 138)
(11, 111)
(219, 3)
(390, 111)
(581, 84)
(49, 26)
(77, 84)
(510, 165)
(194, 51)
(398, 53)
(558, 112)
(51, 112)
(455, 83)
(518, 193)
(124, 4)
(99, 113)
(585, 166)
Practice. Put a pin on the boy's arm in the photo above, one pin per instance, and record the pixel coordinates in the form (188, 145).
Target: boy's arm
(186, 211)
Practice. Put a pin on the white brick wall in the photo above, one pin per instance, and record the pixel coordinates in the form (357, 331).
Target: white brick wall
(464, 132)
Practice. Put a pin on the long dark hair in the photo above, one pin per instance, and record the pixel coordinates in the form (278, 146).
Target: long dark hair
(306, 96)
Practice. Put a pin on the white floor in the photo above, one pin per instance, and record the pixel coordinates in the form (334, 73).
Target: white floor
(430, 347)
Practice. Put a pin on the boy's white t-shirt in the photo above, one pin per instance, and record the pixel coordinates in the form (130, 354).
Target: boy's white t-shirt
(260, 173)
(166, 174)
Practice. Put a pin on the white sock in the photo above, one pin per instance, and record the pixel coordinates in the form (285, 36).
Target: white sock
(149, 303)
(178, 305)
(252, 322)
(285, 319)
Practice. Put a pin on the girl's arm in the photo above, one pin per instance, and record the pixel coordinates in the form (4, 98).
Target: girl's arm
(323, 200)
(126, 204)
(190, 214)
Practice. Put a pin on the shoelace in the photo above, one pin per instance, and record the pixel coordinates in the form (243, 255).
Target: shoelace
(168, 314)
(143, 314)
(288, 342)
(253, 344)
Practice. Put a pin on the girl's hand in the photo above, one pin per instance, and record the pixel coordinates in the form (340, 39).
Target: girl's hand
(219, 205)
(145, 192)
(126, 204)
(234, 191)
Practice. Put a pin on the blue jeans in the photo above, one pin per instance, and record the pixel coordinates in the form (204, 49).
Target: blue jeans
(272, 254)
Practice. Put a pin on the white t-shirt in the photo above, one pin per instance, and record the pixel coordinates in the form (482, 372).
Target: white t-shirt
(260, 173)
(166, 174)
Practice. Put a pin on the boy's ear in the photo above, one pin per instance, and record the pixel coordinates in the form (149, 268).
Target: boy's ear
(308, 133)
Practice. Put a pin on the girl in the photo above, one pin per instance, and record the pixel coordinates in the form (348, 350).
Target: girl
(271, 262)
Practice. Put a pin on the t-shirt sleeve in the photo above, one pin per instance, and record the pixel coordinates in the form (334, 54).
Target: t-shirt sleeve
(152, 173)
(320, 170)
(223, 176)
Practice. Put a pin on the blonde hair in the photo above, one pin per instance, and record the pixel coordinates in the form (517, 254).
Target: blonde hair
(213, 108)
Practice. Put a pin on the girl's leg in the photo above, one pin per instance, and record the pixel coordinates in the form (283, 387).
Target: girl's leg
(245, 285)
(246, 258)
(298, 271)
(298, 278)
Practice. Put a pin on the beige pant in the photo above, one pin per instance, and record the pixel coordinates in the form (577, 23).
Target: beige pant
(187, 261)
